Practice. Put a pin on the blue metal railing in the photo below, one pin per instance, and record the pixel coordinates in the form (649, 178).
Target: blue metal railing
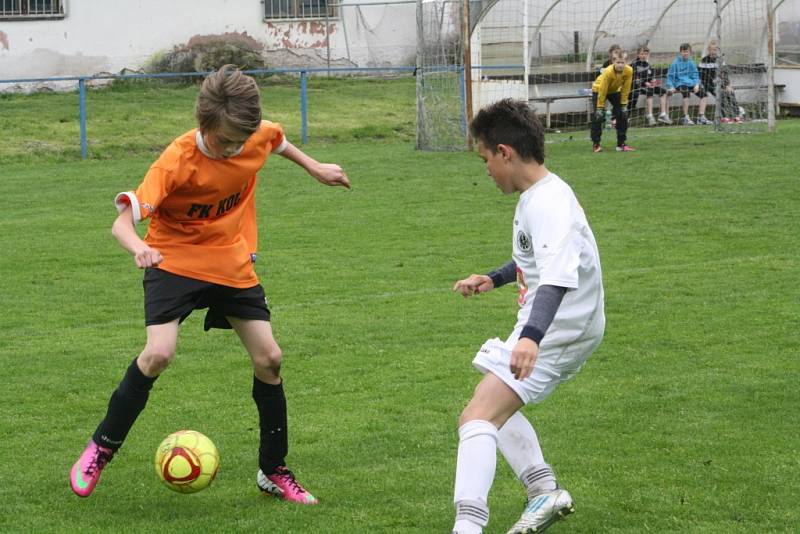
(303, 72)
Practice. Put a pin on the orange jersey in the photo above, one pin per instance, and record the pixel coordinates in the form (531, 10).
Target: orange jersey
(202, 210)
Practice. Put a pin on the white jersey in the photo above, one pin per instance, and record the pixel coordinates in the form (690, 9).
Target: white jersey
(553, 245)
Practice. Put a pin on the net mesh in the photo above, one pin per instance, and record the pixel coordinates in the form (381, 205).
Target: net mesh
(551, 52)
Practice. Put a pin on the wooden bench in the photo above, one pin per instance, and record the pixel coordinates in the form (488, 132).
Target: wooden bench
(549, 99)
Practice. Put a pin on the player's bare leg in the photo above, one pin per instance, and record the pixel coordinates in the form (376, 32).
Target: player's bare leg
(651, 121)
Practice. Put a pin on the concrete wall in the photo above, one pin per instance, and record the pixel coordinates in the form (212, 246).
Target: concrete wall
(111, 35)
(790, 77)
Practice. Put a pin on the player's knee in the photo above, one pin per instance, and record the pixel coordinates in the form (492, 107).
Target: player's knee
(156, 358)
(471, 412)
(269, 358)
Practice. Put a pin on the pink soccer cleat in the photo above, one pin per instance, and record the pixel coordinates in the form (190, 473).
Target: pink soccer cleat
(625, 148)
(282, 484)
(86, 471)
(596, 148)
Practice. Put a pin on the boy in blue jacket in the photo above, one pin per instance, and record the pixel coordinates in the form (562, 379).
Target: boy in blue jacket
(684, 78)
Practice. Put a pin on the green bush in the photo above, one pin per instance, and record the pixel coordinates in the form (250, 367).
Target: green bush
(210, 54)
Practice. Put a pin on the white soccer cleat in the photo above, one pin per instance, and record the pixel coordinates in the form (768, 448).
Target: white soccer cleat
(664, 119)
(542, 511)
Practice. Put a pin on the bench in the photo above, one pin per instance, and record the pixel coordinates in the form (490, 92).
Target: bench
(549, 99)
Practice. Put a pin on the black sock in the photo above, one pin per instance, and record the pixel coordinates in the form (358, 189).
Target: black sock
(127, 401)
(271, 404)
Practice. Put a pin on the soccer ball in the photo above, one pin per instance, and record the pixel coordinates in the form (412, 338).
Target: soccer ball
(187, 461)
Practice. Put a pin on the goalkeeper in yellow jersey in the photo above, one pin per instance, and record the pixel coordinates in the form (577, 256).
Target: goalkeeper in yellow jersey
(613, 84)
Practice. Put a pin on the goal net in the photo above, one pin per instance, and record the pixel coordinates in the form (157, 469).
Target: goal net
(440, 75)
(551, 51)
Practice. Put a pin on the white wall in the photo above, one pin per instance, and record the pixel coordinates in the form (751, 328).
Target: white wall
(107, 36)
(790, 77)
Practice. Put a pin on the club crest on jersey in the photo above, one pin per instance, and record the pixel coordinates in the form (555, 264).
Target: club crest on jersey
(524, 242)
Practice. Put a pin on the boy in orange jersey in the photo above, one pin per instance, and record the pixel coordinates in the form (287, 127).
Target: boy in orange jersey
(614, 85)
(198, 253)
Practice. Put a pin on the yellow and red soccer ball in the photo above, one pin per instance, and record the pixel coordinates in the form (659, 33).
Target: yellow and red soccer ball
(187, 461)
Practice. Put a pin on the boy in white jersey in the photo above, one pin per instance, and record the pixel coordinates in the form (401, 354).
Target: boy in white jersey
(559, 324)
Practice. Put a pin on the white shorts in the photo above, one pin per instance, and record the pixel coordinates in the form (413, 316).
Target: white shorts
(554, 364)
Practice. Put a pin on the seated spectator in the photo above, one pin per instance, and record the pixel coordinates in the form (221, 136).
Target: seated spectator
(645, 83)
(713, 72)
(683, 78)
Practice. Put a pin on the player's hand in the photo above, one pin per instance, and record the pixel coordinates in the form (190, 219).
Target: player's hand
(331, 174)
(670, 91)
(523, 358)
(600, 115)
(648, 84)
(147, 257)
(476, 283)
(696, 88)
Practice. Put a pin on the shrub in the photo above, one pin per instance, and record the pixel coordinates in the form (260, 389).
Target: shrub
(209, 53)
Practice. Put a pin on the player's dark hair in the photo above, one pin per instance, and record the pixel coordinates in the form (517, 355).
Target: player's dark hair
(229, 98)
(513, 123)
(685, 46)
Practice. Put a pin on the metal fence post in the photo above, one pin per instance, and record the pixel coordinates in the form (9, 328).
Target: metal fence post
(303, 107)
(82, 111)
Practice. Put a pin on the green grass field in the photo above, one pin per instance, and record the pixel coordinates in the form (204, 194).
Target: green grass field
(686, 419)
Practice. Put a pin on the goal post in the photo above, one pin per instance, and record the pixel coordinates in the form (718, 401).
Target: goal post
(549, 52)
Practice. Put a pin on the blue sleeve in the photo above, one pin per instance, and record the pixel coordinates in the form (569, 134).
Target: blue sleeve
(672, 81)
(504, 274)
(695, 74)
(543, 311)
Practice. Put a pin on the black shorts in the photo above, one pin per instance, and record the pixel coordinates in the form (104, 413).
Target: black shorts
(169, 296)
(650, 91)
(686, 91)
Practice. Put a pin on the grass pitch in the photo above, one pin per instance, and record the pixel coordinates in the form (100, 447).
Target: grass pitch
(684, 420)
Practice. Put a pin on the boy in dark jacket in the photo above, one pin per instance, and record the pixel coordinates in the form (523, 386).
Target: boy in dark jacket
(645, 83)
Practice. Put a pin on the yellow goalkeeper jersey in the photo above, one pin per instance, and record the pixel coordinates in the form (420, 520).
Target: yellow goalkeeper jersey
(610, 82)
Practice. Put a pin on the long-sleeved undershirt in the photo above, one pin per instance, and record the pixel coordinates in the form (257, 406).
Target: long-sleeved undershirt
(545, 303)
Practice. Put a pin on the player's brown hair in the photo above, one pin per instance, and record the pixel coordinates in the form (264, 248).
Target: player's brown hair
(685, 46)
(513, 123)
(229, 98)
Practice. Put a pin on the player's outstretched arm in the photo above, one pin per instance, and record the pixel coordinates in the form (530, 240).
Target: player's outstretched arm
(476, 283)
(125, 232)
(326, 173)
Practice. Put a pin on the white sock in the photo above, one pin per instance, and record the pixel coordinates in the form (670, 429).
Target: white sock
(519, 444)
(477, 460)
(464, 526)
(538, 479)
